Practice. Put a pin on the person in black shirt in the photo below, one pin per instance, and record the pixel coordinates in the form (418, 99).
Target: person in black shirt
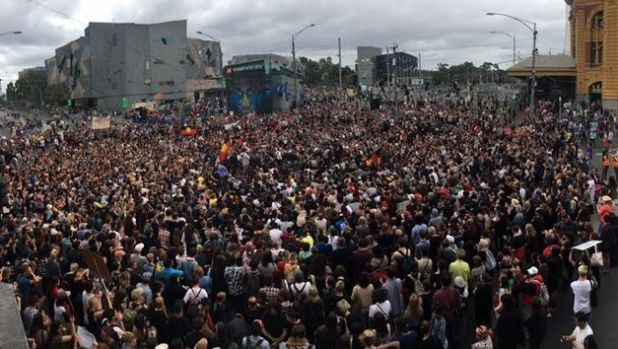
(178, 325)
(537, 325)
(483, 301)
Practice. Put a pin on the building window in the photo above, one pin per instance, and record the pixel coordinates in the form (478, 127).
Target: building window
(597, 21)
(596, 52)
(595, 47)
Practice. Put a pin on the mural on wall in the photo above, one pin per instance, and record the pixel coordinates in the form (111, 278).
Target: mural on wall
(70, 66)
(204, 56)
(246, 101)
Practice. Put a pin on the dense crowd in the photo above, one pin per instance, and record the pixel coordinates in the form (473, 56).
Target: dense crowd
(437, 226)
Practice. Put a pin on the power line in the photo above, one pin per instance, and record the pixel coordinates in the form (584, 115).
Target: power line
(36, 2)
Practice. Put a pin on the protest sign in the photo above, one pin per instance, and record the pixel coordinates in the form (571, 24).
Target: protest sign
(97, 265)
(101, 123)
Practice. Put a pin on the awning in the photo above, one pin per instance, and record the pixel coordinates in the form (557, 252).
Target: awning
(546, 65)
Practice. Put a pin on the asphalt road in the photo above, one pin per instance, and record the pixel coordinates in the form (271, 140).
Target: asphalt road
(604, 319)
(604, 316)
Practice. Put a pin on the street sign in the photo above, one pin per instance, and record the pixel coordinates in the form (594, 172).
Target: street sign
(125, 103)
(69, 103)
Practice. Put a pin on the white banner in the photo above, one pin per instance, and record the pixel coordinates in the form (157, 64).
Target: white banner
(101, 123)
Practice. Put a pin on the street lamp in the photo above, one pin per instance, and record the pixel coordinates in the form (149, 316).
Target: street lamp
(532, 27)
(294, 59)
(220, 50)
(513, 37)
(17, 32)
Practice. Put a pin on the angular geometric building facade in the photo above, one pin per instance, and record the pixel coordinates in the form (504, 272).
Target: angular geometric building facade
(594, 45)
(117, 64)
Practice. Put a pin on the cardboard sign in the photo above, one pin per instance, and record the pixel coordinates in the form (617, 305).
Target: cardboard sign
(401, 207)
(97, 265)
(101, 123)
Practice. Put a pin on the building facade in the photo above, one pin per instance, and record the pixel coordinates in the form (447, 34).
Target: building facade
(117, 64)
(401, 66)
(594, 45)
(261, 83)
(556, 76)
(366, 65)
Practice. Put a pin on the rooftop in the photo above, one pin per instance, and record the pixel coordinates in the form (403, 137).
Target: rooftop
(545, 65)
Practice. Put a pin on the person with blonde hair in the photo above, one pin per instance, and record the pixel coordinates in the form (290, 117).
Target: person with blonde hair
(414, 311)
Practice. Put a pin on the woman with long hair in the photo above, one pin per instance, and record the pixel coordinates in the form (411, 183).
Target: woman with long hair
(266, 267)
(327, 334)
(414, 312)
(382, 328)
(363, 291)
(313, 311)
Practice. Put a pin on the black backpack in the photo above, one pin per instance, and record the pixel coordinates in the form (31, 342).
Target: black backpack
(406, 261)
(299, 294)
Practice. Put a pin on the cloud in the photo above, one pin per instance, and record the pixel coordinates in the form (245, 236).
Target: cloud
(449, 31)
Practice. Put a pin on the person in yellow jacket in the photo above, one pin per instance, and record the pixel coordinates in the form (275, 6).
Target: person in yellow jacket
(616, 166)
(605, 166)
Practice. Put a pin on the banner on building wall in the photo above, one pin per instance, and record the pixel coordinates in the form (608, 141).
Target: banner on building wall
(101, 123)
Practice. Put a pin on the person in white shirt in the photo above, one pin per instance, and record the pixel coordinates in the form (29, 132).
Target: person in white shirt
(275, 234)
(382, 304)
(195, 294)
(582, 288)
(581, 331)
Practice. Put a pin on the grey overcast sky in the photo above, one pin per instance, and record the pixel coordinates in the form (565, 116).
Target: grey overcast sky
(448, 31)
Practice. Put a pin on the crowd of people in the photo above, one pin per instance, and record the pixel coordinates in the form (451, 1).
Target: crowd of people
(437, 226)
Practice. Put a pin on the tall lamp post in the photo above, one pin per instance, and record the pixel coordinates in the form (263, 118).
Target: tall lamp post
(294, 36)
(513, 37)
(16, 32)
(532, 27)
(220, 49)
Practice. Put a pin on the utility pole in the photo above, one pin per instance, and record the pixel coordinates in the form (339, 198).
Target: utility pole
(515, 49)
(420, 71)
(294, 61)
(395, 46)
(340, 84)
(294, 69)
(388, 68)
(533, 77)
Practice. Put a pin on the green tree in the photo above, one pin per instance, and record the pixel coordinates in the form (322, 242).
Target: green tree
(325, 72)
(312, 71)
(56, 94)
(10, 92)
(29, 89)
